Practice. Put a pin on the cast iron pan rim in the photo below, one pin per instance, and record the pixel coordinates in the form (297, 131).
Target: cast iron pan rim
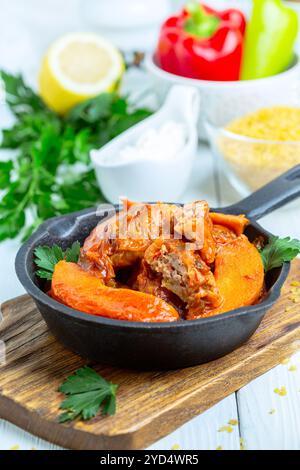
(25, 252)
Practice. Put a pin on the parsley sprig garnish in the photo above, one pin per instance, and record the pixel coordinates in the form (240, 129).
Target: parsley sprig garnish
(47, 257)
(278, 251)
(51, 173)
(86, 393)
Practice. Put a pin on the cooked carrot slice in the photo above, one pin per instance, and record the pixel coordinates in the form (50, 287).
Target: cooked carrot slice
(239, 275)
(237, 223)
(78, 289)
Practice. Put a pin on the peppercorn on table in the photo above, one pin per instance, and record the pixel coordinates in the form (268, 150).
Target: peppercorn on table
(263, 415)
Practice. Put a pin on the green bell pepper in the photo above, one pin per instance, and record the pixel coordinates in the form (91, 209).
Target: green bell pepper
(270, 37)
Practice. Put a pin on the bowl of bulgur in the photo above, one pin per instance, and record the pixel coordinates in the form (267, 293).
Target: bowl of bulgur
(258, 146)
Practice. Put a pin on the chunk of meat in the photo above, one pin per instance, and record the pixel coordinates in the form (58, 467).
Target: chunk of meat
(107, 249)
(239, 276)
(196, 226)
(236, 223)
(184, 273)
(223, 234)
(78, 289)
(151, 283)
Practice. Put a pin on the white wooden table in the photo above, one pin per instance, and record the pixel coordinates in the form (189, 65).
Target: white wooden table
(265, 419)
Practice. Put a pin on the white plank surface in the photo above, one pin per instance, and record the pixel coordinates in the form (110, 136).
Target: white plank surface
(13, 438)
(206, 432)
(268, 420)
(26, 29)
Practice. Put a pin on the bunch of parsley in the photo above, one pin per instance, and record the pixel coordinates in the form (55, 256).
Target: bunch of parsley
(50, 173)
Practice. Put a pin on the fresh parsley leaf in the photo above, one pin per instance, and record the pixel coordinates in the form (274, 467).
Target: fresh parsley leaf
(5, 171)
(279, 250)
(51, 173)
(78, 192)
(84, 380)
(47, 257)
(109, 406)
(44, 274)
(11, 224)
(106, 116)
(20, 98)
(72, 254)
(86, 392)
(93, 110)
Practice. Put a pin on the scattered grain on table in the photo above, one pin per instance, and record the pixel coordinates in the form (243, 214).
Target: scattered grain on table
(294, 298)
(285, 361)
(175, 447)
(233, 422)
(295, 291)
(228, 429)
(280, 391)
(242, 444)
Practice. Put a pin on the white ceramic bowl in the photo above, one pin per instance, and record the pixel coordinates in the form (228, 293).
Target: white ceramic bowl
(130, 25)
(151, 179)
(226, 98)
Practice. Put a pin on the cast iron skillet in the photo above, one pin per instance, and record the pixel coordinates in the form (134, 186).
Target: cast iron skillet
(160, 345)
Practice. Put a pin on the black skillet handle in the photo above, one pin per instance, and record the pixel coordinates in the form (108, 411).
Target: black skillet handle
(279, 192)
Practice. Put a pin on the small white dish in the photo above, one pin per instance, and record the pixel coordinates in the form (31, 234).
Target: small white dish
(151, 179)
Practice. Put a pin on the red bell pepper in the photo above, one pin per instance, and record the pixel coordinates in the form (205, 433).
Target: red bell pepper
(202, 43)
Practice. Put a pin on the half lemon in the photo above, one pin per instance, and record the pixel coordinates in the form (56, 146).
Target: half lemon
(77, 67)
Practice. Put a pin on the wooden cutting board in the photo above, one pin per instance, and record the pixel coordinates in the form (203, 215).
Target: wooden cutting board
(150, 405)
